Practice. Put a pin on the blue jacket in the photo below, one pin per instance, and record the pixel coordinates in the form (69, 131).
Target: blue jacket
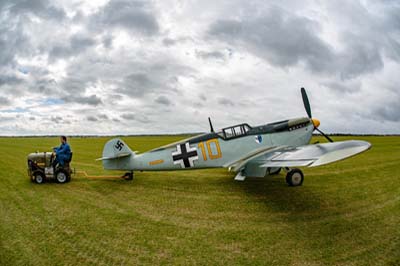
(63, 153)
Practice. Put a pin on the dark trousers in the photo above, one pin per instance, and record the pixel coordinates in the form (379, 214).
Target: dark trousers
(57, 161)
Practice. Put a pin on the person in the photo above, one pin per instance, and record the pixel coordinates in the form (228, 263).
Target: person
(63, 153)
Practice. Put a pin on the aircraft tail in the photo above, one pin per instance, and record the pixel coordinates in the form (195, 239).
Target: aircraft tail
(116, 155)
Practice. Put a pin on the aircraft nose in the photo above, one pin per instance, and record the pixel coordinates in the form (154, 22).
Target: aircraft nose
(315, 122)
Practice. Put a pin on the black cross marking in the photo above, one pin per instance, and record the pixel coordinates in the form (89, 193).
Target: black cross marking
(119, 145)
(185, 155)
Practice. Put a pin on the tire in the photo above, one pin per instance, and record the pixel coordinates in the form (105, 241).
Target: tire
(128, 176)
(62, 177)
(294, 177)
(274, 171)
(38, 178)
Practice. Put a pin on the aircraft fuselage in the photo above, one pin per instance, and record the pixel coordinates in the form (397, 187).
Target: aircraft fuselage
(213, 150)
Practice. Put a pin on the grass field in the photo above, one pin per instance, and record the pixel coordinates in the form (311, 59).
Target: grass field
(347, 213)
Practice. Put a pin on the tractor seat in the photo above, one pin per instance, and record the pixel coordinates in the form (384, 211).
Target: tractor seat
(66, 162)
(70, 158)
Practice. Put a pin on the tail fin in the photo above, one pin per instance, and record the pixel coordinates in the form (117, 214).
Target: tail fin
(116, 155)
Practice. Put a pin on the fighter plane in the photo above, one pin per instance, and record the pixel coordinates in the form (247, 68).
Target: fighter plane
(246, 150)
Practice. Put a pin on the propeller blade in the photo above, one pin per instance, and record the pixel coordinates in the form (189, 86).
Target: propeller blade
(323, 134)
(306, 102)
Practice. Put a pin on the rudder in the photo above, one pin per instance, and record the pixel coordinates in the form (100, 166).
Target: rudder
(116, 155)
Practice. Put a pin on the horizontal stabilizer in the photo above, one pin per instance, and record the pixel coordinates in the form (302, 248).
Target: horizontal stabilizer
(114, 157)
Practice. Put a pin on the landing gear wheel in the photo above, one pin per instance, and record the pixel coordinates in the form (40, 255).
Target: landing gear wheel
(62, 177)
(274, 170)
(128, 176)
(294, 177)
(38, 178)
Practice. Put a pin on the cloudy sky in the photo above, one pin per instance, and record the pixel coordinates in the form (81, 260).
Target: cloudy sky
(133, 67)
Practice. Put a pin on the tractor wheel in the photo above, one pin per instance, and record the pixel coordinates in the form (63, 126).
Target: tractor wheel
(62, 177)
(294, 177)
(38, 178)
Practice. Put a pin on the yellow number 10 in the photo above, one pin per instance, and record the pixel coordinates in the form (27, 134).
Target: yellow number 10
(210, 151)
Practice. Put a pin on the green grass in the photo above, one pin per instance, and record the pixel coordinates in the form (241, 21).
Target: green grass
(347, 213)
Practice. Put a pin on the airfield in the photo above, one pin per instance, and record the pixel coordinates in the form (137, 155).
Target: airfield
(346, 213)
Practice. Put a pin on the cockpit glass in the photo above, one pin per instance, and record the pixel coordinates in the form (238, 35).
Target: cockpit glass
(235, 131)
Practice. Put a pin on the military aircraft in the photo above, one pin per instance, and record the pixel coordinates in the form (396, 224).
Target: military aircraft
(248, 151)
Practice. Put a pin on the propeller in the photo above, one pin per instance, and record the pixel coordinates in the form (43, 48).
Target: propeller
(315, 122)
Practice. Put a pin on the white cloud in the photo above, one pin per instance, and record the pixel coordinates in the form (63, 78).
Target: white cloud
(127, 67)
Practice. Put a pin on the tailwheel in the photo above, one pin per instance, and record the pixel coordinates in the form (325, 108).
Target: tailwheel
(128, 176)
(294, 177)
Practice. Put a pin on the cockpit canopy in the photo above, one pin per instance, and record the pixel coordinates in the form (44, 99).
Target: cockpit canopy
(234, 131)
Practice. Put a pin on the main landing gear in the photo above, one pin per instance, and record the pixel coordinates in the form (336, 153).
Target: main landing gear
(294, 177)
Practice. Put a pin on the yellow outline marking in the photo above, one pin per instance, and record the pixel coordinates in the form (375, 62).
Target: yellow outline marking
(156, 162)
(213, 156)
(203, 150)
(210, 152)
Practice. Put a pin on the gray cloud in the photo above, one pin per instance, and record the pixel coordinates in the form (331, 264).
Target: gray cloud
(138, 84)
(210, 55)
(282, 38)
(89, 100)
(76, 82)
(341, 87)
(285, 39)
(13, 40)
(169, 41)
(56, 119)
(92, 118)
(134, 16)
(202, 97)
(359, 58)
(9, 80)
(4, 101)
(135, 117)
(225, 101)
(44, 86)
(389, 112)
(163, 100)
(103, 117)
(129, 116)
(385, 106)
(107, 41)
(41, 8)
(155, 78)
(78, 43)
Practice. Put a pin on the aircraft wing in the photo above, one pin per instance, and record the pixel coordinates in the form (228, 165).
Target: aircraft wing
(314, 155)
(307, 155)
(237, 164)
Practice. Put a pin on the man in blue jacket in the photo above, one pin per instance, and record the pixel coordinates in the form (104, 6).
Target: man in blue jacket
(63, 153)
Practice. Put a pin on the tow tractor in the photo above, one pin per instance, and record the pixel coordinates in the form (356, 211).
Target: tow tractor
(40, 168)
